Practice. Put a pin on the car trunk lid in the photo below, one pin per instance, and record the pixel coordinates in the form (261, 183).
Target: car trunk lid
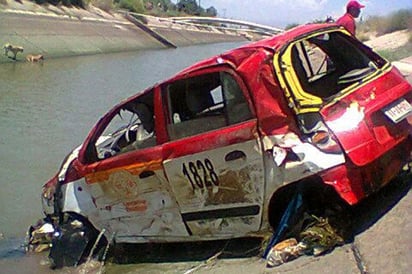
(373, 118)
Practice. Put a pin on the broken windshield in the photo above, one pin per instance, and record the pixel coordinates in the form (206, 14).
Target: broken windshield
(131, 128)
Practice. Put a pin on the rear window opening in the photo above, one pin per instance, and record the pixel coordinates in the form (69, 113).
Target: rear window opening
(328, 63)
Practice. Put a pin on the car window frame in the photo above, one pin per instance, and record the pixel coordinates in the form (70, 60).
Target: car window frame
(197, 73)
(304, 102)
(88, 152)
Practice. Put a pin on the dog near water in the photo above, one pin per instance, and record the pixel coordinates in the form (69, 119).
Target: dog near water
(13, 49)
(34, 58)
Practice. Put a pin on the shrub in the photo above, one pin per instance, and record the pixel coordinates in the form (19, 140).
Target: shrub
(132, 5)
(362, 36)
(372, 24)
(399, 20)
(106, 5)
(68, 3)
(291, 26)
(398, 54)
(40, 2)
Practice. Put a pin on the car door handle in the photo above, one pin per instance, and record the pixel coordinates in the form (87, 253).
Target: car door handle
(235, 155)
(146, 173)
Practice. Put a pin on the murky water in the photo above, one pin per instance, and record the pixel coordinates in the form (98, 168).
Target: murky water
(48, 108)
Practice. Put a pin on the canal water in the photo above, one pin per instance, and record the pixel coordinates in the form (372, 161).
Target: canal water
(46, 109)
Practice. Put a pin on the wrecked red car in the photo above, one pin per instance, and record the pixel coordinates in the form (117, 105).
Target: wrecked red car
(218, 150)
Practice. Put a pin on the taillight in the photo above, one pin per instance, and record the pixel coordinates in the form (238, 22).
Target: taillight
(317, 132)
(320, 138)
(323, 140)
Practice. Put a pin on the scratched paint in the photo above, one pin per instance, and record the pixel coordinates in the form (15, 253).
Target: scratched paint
(238, 178)
(126, 205)
(240, 185)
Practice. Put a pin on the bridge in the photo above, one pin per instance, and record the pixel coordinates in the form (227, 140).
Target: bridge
(153, 25)
(223, 23)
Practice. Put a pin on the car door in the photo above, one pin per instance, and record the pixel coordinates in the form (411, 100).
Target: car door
(213, 159)
(125, 176)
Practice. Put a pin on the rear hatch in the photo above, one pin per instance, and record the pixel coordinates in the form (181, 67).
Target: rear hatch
(373, 118)
(362, 99)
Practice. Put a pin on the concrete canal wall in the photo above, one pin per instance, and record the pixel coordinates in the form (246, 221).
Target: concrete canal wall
(60, 32)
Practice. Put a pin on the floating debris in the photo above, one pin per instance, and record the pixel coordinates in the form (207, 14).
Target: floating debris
(71, 243)
(39, 236)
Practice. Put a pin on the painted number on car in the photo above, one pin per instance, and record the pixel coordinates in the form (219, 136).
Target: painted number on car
(200, 174)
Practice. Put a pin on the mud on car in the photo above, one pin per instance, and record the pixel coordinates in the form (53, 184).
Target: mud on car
(218, 150)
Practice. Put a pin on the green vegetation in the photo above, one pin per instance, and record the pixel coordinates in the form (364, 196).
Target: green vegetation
(290, 26)
(76, 3)
(377, 26)
(397, 54)
(380, 25)
(399, 20)
(106, 5)
(150, 7)
(132, 5)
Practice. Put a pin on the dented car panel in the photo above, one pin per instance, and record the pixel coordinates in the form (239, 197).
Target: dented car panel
(200, 156)
(223, 196)
(363, 111)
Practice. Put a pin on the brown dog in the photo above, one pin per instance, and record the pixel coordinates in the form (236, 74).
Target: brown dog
(34, 58)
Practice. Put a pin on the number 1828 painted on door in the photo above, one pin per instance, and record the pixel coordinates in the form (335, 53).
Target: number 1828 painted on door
(200, 173)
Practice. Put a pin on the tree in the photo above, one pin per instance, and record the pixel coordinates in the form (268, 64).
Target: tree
(189, 7)
(211, 11)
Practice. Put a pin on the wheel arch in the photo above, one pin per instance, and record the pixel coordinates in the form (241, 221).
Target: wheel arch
(317, 198)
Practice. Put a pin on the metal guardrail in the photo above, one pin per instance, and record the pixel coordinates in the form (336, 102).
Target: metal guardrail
(210, 24)
(214, 20)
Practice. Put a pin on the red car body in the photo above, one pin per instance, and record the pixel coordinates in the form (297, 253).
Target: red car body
(311, 106)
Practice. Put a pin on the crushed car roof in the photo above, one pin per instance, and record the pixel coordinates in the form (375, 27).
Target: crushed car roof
(237, 56)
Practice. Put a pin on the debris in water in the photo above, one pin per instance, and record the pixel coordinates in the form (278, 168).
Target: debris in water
(39, 237)
(75, 241)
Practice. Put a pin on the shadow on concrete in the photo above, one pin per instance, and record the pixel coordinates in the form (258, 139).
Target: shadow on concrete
(185, 252)
(370, 210)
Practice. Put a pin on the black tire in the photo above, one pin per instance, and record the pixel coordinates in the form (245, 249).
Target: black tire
(74, 241)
